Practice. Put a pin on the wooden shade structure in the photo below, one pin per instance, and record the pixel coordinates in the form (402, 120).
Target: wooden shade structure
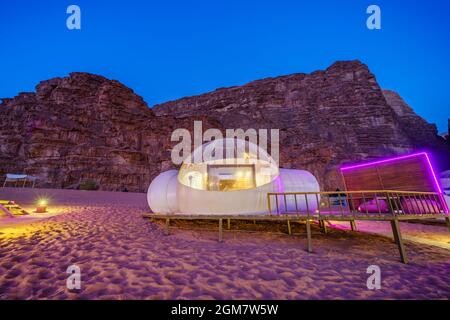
(408, 173)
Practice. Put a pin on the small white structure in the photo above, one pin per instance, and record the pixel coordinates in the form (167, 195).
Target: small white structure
(228, 176)
(19, 180)
(444, 178)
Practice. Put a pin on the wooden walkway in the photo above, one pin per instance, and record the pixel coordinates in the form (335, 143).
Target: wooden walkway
(345, 212)
(11, 209)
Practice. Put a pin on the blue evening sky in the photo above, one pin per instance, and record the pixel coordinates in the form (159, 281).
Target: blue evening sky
(169, 49)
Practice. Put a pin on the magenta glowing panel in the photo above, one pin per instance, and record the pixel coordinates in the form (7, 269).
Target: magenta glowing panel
(395, 159)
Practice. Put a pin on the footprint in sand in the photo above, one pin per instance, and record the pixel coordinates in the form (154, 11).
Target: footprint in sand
(13, 273)
(45, 274)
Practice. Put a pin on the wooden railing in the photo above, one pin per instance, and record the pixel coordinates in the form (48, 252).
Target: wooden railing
(347, 204)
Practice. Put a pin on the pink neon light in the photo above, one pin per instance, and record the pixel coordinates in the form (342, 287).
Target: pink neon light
(385, 160)
(436, 182)
(430, 167)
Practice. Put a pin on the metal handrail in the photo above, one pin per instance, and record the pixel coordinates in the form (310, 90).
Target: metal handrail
(396, 203)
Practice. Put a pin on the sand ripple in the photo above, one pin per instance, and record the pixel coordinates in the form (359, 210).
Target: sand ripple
(123, 256)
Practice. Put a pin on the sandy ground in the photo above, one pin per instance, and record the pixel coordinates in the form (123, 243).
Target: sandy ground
(123, 256)
(433, 232)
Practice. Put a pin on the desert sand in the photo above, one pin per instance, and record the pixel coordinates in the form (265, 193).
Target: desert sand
(123, 256)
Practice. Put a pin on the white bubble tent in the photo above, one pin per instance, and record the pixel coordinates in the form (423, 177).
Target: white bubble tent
(227, 176)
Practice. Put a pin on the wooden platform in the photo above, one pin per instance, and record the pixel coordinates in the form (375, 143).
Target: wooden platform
(342, 213)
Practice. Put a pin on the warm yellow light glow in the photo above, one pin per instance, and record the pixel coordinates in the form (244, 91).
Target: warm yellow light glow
(17, 231)
(42, 201)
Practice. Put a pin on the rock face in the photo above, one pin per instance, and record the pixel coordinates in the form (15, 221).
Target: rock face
(326, 118)
(86, 127)
(418, 130)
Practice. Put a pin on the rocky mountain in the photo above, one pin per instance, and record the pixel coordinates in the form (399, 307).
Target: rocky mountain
(86, 127)
(326, 118)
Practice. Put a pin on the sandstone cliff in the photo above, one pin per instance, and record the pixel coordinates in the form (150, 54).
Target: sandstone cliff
(326, 118)
(84, 126)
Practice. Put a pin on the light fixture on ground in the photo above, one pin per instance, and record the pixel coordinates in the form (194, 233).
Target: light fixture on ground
(41, 206)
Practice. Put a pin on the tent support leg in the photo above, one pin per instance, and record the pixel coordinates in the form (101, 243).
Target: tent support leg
(398, 239)
(220, 230)
(308, 235)
(324, 227)
(166, 231)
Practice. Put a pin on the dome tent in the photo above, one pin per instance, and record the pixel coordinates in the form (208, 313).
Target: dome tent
(226, 176)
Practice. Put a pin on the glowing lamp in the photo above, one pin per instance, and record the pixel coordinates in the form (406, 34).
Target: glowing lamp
(41, 206)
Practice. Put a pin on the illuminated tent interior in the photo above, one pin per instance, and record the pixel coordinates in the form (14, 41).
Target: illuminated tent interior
(228, 165)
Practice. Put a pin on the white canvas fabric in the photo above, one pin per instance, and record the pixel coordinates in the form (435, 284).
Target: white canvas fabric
(167, 195)
(229, 176)
(12, 176)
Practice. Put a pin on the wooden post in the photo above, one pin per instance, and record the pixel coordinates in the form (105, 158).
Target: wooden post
(308, 235)
(324, 227)
(319, 222)
(229, 223)
(166, 232)
(220, 230)
(353, 225)
(289, 227)
(447, 220)
(395, 234)
(398, 239)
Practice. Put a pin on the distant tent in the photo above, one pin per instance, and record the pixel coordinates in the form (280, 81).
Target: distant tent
(444, 178)
(19, 180)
